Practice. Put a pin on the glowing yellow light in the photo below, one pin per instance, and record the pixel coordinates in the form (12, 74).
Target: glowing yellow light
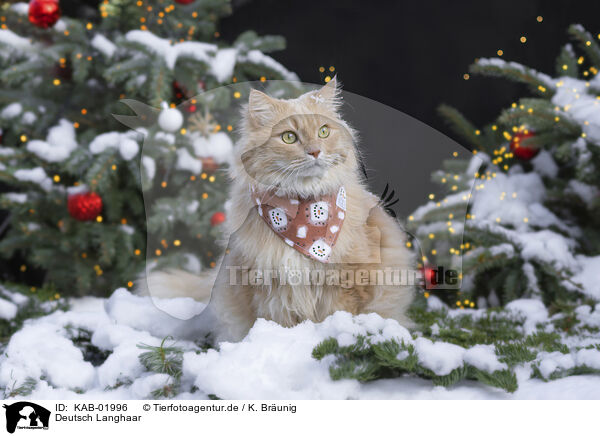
(113, 167)
(539, 18)
(89, 26)
(137, 252)
(431, 196)
(321, 69)
(56, 82)
(99, 218)
(409, 244)
(183, 131)
(332, 69)
(263, 79)
(56, 178)
(158, 252)
(523, 39)
(499, 52)
(466, 76)
(431, 236)
(327, 79)
(163, 184)
(204, 195)
(455, 154)
(237, 94)
(203, 176)
(177, 242)
(211, 179)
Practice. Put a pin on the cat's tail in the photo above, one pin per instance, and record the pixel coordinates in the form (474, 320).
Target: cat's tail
(176, 284)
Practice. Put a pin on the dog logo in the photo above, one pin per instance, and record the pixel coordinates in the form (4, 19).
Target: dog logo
(26, 415)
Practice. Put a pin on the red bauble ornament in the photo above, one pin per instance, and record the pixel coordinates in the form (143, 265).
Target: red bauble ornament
(217, 218)
(44, 13)
(429, 277)
(523, 151)
(84, 207)
(184, 2)
(209, 165)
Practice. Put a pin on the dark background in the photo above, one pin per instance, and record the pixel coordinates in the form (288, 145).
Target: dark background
(412, 55)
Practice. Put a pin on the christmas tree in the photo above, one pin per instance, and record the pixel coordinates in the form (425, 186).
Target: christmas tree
(534, 209)
(74, 171)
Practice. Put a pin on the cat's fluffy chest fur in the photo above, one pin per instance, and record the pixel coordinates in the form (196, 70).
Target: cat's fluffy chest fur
(304, 149)
(368, 240)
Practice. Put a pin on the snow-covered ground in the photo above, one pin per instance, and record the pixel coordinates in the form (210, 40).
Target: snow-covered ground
(272, 362)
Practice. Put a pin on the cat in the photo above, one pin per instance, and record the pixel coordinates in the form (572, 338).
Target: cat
(294, 150)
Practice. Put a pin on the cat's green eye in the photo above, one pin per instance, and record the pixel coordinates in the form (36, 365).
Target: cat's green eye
(289, 137)
(324, 132)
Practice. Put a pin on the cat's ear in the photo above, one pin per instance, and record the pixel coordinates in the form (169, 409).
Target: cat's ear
(328, 96)
(331, 91)
(261, 108)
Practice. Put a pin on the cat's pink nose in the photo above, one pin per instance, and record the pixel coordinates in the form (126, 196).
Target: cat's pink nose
(314, 153)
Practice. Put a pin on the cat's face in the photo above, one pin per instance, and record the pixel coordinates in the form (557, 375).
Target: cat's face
(300, 145)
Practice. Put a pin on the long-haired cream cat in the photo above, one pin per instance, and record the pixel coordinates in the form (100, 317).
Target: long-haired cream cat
(302, 153)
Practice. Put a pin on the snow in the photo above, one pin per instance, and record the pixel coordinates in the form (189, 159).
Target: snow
(11, 39)
(588, 276)
(216, 145)
(8, 309)
(500, 63)
(11, 111)
(103, 45)
(483, 357)
(20, 8)
(124, 142)
(15, 197)
(587, 193)
(29, 118)
(185, 161)
(41, 350)
(512, 198)
(221, 61)
(59, 144)
(258, 57)
(576, 103)
(272, 362)
(149, 165)
(532, 310)
(35, 175)
(544, 164)
(440, 357)
(223, 64)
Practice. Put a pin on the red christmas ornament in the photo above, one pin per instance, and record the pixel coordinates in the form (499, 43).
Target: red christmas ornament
(523, 151)
(184, 2)
(84, 207)
(429, 277)
(44, 13)
(209, 165)
(217, 218)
